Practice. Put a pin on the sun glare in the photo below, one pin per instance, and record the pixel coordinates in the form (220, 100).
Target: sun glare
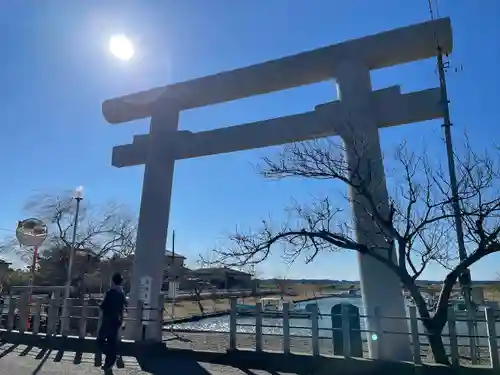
(121, 47)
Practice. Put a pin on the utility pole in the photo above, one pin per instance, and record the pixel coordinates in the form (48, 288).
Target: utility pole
(465, 277)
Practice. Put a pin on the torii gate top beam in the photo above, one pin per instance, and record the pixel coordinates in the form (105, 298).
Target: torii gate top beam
(381, 50)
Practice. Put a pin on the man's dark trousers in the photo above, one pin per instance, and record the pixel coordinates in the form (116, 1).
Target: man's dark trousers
(107, 340)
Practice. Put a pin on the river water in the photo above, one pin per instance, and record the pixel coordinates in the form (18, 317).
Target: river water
(302, 327)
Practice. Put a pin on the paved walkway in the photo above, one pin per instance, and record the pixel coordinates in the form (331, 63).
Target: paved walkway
(23, 360)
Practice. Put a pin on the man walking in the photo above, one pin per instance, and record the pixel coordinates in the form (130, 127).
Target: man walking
(112, 316)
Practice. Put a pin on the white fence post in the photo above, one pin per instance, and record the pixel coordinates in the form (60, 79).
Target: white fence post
(136, 321)
(346, 330)
(24, 308)
(258, 327)
(52, 316)
(315, 332)
(452, 330)
(492, 338)
(2, 308)
(11, 313)
(286, 328)
(66, 320)
(161, 309)
(415, 337)
(83, 319)
(99, 322)
(36, 318)
(379, 332)
(472, 329)
(232, 324)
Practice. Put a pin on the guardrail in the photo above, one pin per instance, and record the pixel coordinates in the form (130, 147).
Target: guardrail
(44, 316)
(451, 338)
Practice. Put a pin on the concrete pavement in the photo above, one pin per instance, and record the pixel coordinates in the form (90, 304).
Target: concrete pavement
(25, 360)
(28, 360)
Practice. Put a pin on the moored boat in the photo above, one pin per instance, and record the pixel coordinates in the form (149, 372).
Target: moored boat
(272, 307)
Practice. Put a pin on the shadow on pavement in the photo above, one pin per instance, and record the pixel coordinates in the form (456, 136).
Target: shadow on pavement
(10, 349)
(158, 360)
(154, 364)
(26, 351)
(166, 365)
(42, 356)
(275, 363)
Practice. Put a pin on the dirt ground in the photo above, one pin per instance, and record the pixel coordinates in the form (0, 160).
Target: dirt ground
(492, 294)
(184, 309)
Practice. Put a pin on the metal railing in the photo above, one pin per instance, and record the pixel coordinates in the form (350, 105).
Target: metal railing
(452, 339)
(44, 316)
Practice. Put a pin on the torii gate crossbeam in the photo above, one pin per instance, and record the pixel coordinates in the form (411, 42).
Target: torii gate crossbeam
(393, 108)
(366, 111)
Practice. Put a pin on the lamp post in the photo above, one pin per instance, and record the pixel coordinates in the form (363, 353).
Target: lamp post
(78, 196)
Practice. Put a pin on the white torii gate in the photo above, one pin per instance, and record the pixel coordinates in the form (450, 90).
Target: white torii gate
(365, 110)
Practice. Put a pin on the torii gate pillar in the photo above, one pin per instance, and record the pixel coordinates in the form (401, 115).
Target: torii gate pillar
(149, 259)
(364, 111)
(380, 288)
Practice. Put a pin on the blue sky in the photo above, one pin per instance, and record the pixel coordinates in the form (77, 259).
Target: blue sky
(56, 71)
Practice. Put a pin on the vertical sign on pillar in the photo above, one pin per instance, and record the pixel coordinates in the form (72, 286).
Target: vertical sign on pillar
(173, 289)
(145, 297)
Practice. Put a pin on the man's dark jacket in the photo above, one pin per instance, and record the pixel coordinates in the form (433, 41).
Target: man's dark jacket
(113, 305)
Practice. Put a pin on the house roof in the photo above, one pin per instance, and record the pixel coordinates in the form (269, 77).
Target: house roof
(175, 255)
(219, 269)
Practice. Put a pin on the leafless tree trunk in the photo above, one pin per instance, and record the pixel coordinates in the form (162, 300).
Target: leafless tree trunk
(418, 226)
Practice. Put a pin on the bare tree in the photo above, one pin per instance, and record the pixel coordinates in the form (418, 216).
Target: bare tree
(197, 286)
(101, 232)
(417, 226)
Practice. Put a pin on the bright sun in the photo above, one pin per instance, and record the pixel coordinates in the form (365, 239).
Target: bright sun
(121, 47)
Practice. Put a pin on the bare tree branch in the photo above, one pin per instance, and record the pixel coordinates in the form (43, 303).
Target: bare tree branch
(418, 224)
(101, 232)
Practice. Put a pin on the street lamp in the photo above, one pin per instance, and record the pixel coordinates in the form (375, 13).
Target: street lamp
(78, 196)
